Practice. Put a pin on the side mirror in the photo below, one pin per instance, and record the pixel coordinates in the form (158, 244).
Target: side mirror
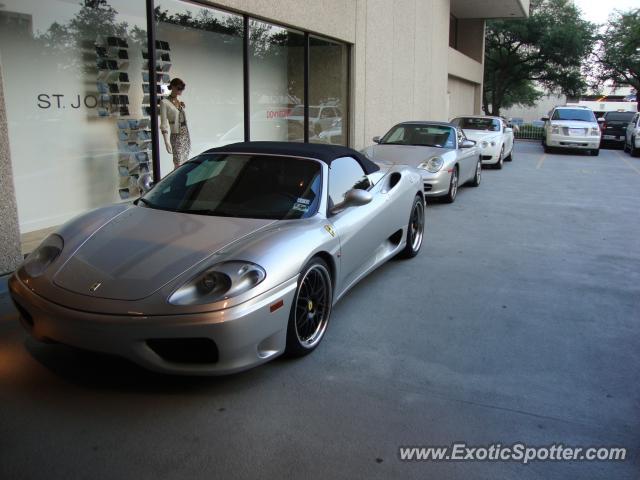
(545, 119)
(145, 182)
(376, 139)
(467, 144)
(508, 130)
(353, 198)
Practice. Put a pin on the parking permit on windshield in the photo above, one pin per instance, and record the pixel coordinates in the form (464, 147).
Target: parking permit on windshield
(300, 207)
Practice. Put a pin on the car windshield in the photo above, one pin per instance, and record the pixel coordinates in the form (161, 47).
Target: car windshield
(577, 114)
(619, 116)
(421, 135)
(471, 123)
(246, 186)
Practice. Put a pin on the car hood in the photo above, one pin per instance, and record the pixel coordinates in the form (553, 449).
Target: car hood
(480, 135)
(404, 154)
(142, 249)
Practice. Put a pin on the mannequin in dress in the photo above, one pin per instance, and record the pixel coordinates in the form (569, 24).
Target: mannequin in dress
(173, 124)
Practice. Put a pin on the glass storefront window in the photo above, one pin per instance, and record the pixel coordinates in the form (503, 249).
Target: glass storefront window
(78, 94)
(79, 136)
(328, 91)
(204, 48)
(276, 83)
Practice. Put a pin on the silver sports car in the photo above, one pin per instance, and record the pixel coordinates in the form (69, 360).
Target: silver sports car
(445, 157)
(234, 258)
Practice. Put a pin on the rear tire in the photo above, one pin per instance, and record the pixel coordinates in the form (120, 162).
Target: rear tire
(311, 309)
(632, 148)
(415, 229)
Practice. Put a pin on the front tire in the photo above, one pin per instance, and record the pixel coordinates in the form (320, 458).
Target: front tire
(450, 197)
(595, 152)
(415, 229)
(632, 148)
(311, 309)
(478, 176)
(501, 159)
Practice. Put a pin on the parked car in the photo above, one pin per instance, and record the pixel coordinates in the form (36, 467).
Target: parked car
(574, 128)
(321, 118)
(632, 136)
(334, 135)
(232, 259)
(492, 135)
(442, 152)
(613, 126)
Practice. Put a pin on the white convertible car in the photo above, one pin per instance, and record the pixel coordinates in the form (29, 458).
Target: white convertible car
(491, 134)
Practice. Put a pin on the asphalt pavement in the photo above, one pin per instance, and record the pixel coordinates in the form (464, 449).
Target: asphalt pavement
(518, 322)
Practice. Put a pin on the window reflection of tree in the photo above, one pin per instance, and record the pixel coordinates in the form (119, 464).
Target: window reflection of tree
(95, 18)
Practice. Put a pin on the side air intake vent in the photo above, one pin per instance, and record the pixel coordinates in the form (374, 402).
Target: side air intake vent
(394, 178)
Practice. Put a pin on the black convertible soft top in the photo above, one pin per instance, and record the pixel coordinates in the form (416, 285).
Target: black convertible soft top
(322, 152)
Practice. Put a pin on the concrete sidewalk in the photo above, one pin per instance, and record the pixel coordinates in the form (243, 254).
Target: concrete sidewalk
(4, 287)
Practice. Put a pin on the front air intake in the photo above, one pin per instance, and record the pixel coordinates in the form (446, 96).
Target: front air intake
(185, 350)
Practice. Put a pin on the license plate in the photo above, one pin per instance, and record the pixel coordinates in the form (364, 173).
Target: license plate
(576, 131)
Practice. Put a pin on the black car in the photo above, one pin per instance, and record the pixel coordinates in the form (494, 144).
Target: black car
(614, 127)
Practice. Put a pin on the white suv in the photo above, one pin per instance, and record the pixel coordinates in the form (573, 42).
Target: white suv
(632, 136)
(571, 127)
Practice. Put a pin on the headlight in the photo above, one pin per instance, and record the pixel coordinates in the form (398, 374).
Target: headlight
(43, 256)
(484, 144)
(220, 282)
(595, 132)
(555, 129)
(432, 165)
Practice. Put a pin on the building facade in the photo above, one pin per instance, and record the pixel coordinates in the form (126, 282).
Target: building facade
(80, 81)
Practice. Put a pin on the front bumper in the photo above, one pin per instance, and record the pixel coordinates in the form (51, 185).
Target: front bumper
(490, 157)
(570, 141)
(245, 335)
(613, 138)
(436, 184)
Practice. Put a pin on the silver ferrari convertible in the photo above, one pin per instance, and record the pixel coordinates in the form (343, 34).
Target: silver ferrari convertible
(445, 157)
(233, 259)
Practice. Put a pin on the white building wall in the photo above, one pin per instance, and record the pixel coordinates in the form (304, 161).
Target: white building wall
(540, 109)
(462, 96)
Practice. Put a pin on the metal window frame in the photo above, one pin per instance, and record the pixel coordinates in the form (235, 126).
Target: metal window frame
(153, 96)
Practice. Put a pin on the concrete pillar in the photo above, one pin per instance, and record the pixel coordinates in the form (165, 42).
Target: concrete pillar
(10, 255)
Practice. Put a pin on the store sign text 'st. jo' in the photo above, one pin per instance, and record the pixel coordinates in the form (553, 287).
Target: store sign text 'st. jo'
(60, 101)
